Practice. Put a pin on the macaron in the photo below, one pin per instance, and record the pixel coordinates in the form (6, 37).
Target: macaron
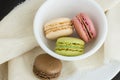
(57, 28)
(69, 46)
(84, 27)
(47, 67)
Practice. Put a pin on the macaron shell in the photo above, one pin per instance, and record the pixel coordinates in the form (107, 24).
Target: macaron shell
(48, 64)
(71, 40)
(69, 53)
(57, 21)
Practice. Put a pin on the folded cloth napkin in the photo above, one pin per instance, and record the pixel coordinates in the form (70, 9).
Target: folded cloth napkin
(16, 31)
(21, 68)
(4, 71)
(113, 38)
(16, 38)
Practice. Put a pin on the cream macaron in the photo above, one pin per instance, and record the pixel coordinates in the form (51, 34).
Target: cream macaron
(57, 28)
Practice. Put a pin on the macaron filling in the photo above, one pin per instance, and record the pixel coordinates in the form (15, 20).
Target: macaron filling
(57, 28)
(87, 26)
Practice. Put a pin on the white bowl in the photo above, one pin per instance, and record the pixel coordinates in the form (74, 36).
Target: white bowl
(53, 9)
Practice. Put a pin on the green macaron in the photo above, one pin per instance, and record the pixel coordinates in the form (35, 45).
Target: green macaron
(69, 46)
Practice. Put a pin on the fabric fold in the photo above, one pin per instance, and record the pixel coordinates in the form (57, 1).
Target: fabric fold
(4, 71)
(16, 30)
(108, 4)
(15, 45)
(112, 47)
(24, 65)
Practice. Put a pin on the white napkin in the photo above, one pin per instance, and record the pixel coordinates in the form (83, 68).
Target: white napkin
(16, 37)
(4, 71)
(113, 38)
(21, 67)
(108, 4)
(16, 30)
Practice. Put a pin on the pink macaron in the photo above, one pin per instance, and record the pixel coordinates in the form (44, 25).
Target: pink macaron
(84, 27)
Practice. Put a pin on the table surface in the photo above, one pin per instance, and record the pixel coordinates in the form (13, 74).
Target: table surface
(7, 5)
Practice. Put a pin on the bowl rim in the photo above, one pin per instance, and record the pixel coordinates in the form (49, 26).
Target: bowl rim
(67, 58)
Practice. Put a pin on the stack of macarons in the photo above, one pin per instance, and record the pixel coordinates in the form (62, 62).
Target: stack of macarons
(61, 31)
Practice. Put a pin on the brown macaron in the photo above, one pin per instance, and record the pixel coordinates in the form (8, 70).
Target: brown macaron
(47, 67)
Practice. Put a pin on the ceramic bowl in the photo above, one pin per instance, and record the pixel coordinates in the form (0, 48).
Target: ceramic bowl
(53, 9)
